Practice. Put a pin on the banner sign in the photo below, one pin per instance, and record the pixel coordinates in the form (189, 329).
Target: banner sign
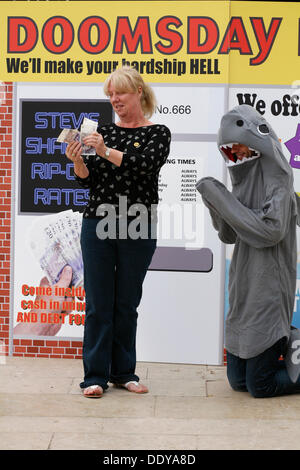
(190, 41)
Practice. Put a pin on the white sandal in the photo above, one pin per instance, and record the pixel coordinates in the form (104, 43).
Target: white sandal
(126, 385)
(92, 395)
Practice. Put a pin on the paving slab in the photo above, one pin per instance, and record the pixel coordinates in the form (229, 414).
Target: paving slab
(76, 405)
(117, 441)
(24, 440)
(242, 406)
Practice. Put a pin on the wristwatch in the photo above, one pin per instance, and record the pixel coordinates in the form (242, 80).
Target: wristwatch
(107, 152)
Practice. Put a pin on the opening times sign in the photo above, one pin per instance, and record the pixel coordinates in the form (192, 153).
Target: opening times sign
(47, 179)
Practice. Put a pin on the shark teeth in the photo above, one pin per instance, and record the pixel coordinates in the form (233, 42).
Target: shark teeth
(231, 159)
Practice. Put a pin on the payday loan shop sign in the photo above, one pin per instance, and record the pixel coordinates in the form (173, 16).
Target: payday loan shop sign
(193, 54)
(47, 182)
(180, 41)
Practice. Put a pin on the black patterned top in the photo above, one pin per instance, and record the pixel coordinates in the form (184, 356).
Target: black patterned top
(145, 150)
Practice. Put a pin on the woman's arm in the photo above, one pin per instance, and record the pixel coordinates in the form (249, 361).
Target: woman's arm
(73, 152)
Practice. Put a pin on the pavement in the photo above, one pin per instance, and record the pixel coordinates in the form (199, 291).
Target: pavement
(189, 407)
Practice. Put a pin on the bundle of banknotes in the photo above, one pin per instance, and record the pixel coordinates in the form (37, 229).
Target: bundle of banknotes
(55, 242)
(87, 127)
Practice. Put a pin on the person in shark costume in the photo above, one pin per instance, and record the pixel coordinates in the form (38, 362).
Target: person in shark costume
(260, 217)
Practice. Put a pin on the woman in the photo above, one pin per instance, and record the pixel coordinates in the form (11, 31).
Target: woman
(129, 156)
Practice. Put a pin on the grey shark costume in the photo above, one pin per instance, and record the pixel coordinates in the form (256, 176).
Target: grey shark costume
(260, 217)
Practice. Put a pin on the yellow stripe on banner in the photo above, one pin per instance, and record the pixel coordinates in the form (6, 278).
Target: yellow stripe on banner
(180, 41)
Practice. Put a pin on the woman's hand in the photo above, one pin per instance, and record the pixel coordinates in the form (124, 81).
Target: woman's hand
(96, 140)
(73, 151)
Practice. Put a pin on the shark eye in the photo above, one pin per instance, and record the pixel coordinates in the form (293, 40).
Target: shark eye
(263, 129)
(240, 123)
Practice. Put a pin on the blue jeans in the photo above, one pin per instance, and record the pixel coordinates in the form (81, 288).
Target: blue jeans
(263, 375)
(114, 271)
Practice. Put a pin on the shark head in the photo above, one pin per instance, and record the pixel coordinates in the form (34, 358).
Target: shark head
(245, 126)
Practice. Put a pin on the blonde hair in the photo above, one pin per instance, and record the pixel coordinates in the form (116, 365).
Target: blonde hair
(128, 80)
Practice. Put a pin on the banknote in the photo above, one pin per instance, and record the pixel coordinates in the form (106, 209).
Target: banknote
(88, 126)
(68, 135)
(54, 241)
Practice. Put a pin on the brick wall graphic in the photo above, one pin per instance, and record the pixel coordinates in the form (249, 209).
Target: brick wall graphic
(6, 92)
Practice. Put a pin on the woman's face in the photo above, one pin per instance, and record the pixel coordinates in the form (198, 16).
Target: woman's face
(125, 104)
